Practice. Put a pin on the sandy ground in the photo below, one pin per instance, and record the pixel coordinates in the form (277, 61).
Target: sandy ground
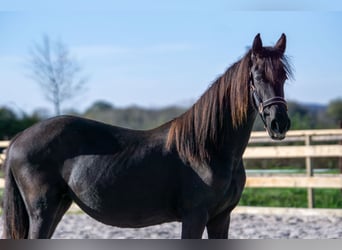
(243, 226)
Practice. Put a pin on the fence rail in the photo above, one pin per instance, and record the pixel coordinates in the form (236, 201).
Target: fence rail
(311, 151)
(327, 143)
(295, 182)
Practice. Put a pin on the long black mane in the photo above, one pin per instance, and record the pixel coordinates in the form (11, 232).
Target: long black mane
(199, 131)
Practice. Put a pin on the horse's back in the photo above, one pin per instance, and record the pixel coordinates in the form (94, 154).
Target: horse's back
(64, 136)
(45, 148)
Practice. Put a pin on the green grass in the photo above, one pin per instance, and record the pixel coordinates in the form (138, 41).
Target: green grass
(290, 197)
(285, 197)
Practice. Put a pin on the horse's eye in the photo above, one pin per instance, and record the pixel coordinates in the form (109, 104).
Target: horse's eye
(258, 77)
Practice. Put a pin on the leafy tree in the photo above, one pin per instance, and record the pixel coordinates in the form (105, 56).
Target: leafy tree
(11, 124)
(131, 117)
(334, 110)
(100, 106)
(7, 120)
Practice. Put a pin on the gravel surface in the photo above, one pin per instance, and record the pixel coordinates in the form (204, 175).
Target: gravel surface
(243, 226)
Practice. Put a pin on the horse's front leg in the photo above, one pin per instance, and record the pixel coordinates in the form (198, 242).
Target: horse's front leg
(193, 224)
(218, 227)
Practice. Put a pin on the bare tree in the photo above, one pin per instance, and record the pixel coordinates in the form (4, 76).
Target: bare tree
(56, 71)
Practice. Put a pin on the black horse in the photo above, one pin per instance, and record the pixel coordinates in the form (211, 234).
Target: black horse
(189, 169)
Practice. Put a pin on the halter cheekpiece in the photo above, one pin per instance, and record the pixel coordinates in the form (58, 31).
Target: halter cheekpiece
(260, 105)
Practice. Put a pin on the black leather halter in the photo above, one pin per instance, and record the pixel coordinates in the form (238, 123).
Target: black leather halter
(260, 105)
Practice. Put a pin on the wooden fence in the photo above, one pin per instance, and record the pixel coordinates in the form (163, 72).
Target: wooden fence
(313, 144)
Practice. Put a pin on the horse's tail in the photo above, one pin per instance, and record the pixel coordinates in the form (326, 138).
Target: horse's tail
(16, 220)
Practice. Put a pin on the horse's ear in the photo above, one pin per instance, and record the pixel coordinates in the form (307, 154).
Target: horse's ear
(281, 44)
(257, 45)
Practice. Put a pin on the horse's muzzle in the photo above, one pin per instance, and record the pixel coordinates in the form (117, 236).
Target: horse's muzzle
(278, 127)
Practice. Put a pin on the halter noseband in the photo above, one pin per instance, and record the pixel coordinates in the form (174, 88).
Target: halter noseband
(260, 105)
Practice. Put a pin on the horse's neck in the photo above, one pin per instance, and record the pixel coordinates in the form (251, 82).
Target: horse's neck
(236, 139)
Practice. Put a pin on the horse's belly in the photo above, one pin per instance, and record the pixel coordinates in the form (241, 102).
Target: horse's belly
(131, 214)
(136, 220)
(128, 207)
(125, 196)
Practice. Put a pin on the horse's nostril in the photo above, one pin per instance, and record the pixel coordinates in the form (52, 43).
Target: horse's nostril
(275, 126)
(280, 128)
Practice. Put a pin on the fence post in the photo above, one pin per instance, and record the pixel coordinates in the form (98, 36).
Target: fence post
(309, 173)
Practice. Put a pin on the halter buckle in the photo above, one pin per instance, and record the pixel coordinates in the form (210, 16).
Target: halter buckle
(261, 107)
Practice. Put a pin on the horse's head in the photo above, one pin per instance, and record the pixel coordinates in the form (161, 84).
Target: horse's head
(268, 73)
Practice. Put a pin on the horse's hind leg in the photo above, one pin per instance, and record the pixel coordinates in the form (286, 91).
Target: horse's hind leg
(46, 216)
(46, 205)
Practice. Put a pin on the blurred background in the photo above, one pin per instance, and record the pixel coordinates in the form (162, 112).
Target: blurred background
(138, 64)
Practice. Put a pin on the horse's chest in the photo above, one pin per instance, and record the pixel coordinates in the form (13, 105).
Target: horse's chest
(230, 194)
